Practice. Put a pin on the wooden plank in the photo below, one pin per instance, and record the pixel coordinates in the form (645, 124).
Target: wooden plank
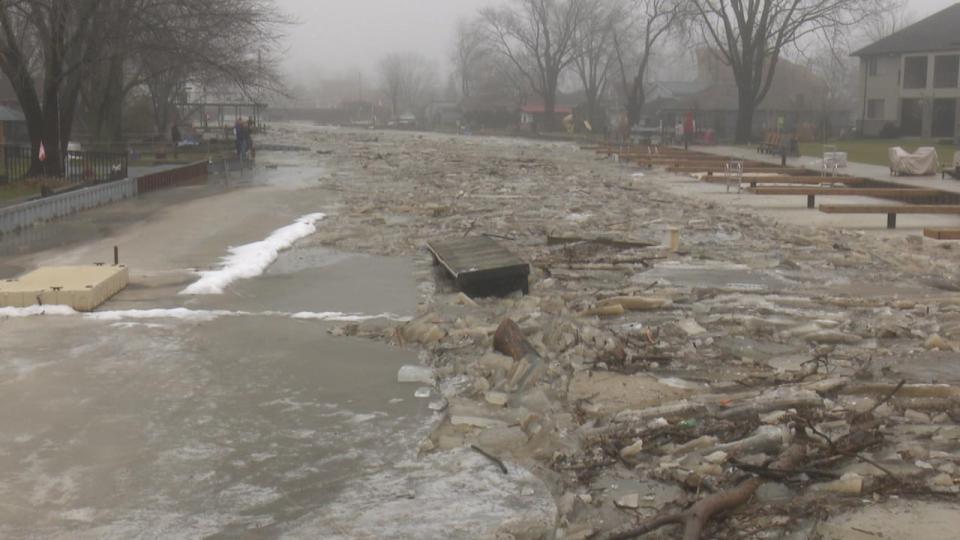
(890, 209)
(671, 164)
(612, 242)
(942, 234)
(785, 179)
(839, 191)
(720, 169)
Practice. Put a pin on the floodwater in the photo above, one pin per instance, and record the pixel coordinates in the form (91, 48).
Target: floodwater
(190, 428)
(227, 416)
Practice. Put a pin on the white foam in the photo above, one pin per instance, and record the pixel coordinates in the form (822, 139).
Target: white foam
(173, 313)
(33, 311)
(337, 316)
(251, 260)
(185, 314)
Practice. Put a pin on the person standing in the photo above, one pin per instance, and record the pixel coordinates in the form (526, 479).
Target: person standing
(249, 133)
(240, 135)
(689, 128)
(175, 139)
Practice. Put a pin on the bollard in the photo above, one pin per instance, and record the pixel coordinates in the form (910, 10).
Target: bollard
(116, 256)
(673, 239)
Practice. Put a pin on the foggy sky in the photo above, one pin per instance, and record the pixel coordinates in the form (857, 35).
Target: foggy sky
(335, 37)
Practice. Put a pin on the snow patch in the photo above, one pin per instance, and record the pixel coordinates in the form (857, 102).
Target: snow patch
(251, 260)
(35, 310)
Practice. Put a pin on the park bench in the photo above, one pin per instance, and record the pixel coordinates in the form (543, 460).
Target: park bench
(891, 210)
(953, 169)
(812, 192)
(779, 144)
(770, 143)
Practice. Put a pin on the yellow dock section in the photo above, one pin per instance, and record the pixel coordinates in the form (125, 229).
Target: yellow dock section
(83, 288)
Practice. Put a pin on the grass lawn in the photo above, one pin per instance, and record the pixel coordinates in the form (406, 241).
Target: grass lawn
(874, 151)
(148, 159)
(16, 190)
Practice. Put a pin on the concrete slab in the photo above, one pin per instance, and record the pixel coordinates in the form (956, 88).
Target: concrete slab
(84, 288)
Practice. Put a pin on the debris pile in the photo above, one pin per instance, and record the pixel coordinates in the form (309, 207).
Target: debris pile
(750, 379)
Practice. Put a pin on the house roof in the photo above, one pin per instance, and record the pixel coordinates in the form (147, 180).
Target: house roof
(11, 115)
(679, 88)
(937, 32)
(540, 109)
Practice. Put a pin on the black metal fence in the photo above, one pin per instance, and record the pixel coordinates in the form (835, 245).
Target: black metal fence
(14, 162)
(80, 166)
(95, 167)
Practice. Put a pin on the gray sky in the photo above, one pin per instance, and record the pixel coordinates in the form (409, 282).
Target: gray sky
(337, 36)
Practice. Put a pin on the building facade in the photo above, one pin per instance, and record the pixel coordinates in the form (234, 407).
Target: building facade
(910, 80)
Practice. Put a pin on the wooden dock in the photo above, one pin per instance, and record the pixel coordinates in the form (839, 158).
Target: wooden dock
(480, 266)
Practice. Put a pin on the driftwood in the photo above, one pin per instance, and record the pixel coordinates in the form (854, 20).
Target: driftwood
(695, 518)
(621, 244)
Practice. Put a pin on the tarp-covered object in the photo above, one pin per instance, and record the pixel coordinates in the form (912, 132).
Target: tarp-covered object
(923, 162)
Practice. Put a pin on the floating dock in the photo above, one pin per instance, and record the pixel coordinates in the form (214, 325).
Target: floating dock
(481, 266)
(84, 288)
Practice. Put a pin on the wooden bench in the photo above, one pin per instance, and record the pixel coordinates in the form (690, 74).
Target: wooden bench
(891, 210)
(942, 234)
(771, 142)
(812, 192)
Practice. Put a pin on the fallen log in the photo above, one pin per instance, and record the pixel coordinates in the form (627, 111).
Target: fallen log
(636, 303)
(621, 244)
(695, 518)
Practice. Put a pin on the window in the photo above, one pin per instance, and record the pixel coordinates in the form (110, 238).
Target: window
(875, 109)
(946, 71)
(915, 72)
(872, 66)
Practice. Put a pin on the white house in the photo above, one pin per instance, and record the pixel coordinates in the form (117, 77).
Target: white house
(911, 79)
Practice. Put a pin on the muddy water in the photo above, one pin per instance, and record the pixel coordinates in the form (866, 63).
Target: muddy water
(186, 429)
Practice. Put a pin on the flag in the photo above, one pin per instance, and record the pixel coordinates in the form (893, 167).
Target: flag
(43, 152)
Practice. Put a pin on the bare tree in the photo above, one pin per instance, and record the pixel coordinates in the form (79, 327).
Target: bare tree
(409, 81)
(537, 36)
(640, 24)
(50, 50)
(43, 49)
(470, 49)
(750, 36)
(893, 16)
(593, 56)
